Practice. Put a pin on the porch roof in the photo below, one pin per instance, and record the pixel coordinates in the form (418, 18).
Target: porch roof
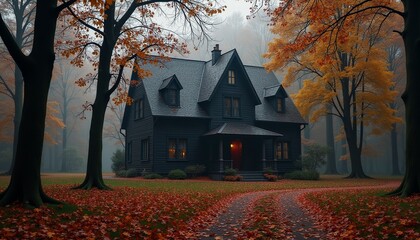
(241, 129)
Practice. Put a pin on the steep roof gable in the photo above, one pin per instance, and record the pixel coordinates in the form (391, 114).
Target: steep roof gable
(276, 90)
(212, 76)
(168, 81)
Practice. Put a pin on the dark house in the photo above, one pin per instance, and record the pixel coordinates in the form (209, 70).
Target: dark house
(219, 113)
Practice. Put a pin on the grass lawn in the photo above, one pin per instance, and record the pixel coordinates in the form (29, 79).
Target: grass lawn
(154, 209)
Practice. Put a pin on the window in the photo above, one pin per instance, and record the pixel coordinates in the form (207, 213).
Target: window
(129, 152)
(177, 148)
(232, 107)
(231, 77)
(138, 109)
(145, 149)
(282, 151)
(172, 97)
(280, 105)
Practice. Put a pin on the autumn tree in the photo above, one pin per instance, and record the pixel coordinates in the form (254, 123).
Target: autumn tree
(36, 67)
(348, 79)
(19, 16)
(382, 10)
(111, 34)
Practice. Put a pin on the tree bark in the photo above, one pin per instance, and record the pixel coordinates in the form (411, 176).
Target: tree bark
(331, 164)
(25, 183)
(411, 37)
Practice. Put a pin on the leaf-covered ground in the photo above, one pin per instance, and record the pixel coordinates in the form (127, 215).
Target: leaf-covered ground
(163, 209)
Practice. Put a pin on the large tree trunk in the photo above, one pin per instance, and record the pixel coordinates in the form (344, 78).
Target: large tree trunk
(411, 36)
(25, 183)
(331, 164)
(356, 157)
(394, 148)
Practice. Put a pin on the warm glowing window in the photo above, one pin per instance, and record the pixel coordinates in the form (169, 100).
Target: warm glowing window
(282, 150)
(231, 77)
(177, 148)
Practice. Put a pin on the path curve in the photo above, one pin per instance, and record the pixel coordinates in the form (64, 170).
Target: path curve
(228, 224)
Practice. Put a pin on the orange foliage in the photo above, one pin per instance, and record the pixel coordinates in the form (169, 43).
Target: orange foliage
(332, 58)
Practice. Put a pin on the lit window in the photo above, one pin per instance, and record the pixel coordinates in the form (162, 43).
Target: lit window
(231, 107)
(138, 109)
(182, 148)
(177, 148)
(172, 148)
(231, 77)
(282, 150)
(145, 149)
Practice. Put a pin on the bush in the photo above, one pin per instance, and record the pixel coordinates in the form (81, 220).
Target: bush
(268, 170)
(270, 177)
(314, 157)
(231, 178)
(153, 176)
(302, 175)
(177, 174)
(132, 172)
(230, 172)
(195, 170)
(117, 161)
(126, 173)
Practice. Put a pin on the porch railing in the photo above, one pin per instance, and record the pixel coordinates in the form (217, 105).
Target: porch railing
(223, 164)
(271, 164)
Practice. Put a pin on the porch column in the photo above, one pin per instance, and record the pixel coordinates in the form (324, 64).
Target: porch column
(275, 154)
(221, 155)
(263, 154)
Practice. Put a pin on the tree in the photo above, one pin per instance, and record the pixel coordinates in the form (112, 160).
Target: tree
(314, 157)
(111, 34)
(408, 10)
(25, 183)
(350, 76)
(19, 14)
(331, 165)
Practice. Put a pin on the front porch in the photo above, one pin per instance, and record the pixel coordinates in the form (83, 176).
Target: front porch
(241, 147)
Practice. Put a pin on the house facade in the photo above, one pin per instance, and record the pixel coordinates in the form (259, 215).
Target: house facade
(218, 113)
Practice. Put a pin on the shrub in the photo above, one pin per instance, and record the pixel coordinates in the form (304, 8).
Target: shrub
(177, 174)
(195, 170)
(314, 157)
(126, 173)
(268, 170)
(271, 177)
(230, 172)
(117, 161)
(232, 178)
(302, 175)
(153, 176)
(132, 172)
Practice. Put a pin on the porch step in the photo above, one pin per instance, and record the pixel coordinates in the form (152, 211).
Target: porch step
(251, 176)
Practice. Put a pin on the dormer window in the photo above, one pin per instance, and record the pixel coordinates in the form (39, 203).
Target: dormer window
(276, 96)
(231, 77)
(170, 89)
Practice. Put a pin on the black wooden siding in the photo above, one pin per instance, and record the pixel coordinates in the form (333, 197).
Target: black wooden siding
(191, 129)
(140, 129)
(241, 89)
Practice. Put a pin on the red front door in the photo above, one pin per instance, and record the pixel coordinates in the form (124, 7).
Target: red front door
(236, 153)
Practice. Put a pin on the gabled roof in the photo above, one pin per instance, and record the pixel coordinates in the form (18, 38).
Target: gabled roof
(167, 81)
(199, 79)
(231, 128)
(276, 90)
(212, 75)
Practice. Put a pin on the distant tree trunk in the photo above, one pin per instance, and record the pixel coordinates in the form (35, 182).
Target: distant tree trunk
(394, 148)
(411, 37)
(331, 164)
(343, 162)
(64, 133)
(25, 183)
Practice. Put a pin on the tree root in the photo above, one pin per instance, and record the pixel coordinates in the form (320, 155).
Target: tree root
(91, 183)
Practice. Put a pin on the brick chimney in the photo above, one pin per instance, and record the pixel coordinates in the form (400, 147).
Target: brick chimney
(215, 54)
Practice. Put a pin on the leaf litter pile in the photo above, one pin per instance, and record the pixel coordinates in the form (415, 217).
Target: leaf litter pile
(173, 212)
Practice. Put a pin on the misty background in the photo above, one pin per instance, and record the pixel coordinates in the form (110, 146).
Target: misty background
(250, 37)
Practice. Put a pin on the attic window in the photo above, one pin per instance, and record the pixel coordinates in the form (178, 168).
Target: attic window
(170, 91)
(173, 97)
(231, 77)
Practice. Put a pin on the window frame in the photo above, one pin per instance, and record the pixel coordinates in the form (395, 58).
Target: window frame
(231, 77)
(139, 109)
(232, 109)
(282, 105)
(145, 143)
(174, 97)
(284, 150)
(178, 150)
